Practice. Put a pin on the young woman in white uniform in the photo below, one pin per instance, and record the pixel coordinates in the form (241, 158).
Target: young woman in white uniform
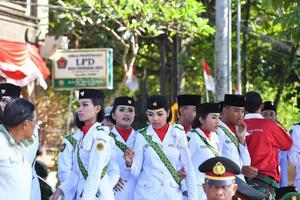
(203, 139)
(160, 151)
(122, 115)
(82, 169)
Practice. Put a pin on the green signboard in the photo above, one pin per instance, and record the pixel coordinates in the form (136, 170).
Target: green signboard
(83, 68)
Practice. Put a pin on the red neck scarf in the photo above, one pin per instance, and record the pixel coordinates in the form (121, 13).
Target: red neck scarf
(86, 128)
(124, 132)
(206, 132)
(187, 128)
(231, 126)
(161, 132)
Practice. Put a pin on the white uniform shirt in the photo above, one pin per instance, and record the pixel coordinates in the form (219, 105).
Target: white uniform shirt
(294, 154)
(200, 152)
(228, 149)
(130, 181)
(154, 181)
(67, 177)
(95, 151)
(15, 170)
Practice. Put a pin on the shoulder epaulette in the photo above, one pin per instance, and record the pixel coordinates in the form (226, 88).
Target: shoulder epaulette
(99, 128)
(72, 140)
(142, 130)
(180, 127)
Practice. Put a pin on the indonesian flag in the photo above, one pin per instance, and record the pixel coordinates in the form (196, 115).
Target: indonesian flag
(21, 64)
(132, 82)
(209, 81)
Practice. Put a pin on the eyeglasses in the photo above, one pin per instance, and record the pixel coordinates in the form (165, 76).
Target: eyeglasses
(36, 122)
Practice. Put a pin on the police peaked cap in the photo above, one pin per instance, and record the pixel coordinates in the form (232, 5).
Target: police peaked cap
(90, 94)
(157, 101)
(123, 100)
(208, 108)
(188, 100)
(234, 100)
(268, 106)
(8, 89)
(219, 171)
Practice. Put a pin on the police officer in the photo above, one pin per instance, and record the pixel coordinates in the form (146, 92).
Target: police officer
(219, 178)
(122, 115)
(222, 182)
(158, 154)
(187, 109)
(85, 154)
(203, 139)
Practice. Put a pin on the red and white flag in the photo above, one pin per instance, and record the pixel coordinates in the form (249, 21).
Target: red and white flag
(209, 81)
(21, 64)
(132, 81)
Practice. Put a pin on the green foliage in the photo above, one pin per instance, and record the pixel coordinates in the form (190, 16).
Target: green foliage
(146, 18)
(288, 12)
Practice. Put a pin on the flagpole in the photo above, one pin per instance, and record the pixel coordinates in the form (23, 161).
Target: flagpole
(206, 93)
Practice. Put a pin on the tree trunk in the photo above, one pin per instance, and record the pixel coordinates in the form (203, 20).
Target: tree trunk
(244, 46)
(221, 49)
(286, 70)
(163, 61)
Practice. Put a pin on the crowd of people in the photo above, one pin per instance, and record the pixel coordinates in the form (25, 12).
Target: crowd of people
(233, 149)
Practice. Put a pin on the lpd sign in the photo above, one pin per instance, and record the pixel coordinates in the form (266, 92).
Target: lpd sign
(83, 68)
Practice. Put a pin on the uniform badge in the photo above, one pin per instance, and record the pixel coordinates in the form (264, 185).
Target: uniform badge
(219, 169)
(129, 102)
(100, 146)
(82, 93)
(3, 91)
(154, 104)
(62, 147)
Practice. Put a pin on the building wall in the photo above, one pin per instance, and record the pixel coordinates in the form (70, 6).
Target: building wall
(15, 19)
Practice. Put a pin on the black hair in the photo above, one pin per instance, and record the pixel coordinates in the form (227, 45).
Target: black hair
(196, 122)
(253, 101)
(100, 115)
(17, 111)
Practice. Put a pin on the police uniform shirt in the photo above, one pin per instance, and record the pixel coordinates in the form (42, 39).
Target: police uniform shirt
(154, 181)
(130, 180)
(15, 170)
(200, 152)
(294, 153)
(229, 150)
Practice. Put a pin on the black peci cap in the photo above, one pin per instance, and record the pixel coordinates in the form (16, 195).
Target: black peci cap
(8, 89)
(157, 101)
(188, 100)
(208, 108)
(219, 171)
(268, 105)
(124, 100)
(90, 94)
(234, 100)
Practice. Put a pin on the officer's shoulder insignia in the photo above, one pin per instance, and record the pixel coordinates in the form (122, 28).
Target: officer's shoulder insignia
(62, 147)
(99, 128)
(100, 146)
(180, 127)
(142, 129)
(69, 134)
